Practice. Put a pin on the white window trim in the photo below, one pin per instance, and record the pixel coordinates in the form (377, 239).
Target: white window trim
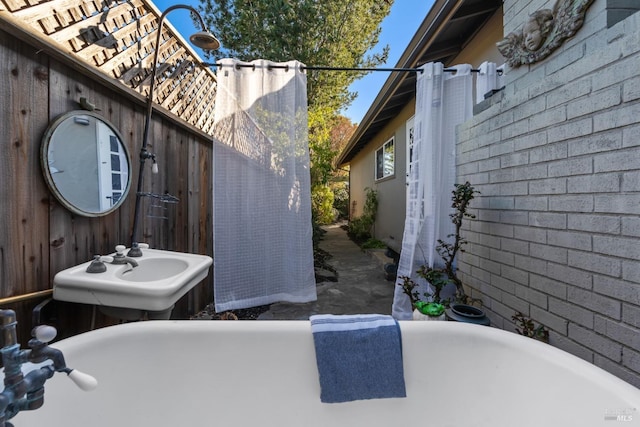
(375, 160)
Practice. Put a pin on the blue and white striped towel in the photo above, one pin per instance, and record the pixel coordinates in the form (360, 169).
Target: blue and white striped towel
(358, 356)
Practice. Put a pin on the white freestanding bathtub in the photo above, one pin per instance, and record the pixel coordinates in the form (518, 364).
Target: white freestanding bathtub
(263, 373)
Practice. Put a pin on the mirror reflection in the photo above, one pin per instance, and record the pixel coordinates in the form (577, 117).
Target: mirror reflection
(86, 163)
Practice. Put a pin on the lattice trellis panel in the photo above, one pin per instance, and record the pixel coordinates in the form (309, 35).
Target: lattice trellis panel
(240, 132)
(118, 38)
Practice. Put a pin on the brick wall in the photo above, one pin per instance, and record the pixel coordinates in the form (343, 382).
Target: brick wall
(557, 161)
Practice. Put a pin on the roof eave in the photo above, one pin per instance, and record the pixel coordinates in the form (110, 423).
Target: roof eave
(408, 59)
(422, 48)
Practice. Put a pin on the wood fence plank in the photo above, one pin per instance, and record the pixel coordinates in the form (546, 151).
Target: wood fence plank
(22, 248)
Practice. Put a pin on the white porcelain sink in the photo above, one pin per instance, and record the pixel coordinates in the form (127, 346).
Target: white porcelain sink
(149, 270)
(160, 279)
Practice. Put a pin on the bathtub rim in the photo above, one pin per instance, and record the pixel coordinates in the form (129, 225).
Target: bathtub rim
(453, 330)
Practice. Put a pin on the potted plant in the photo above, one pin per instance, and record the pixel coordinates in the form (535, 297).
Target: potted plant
(460, 306)
(434, 307)
(429, 311)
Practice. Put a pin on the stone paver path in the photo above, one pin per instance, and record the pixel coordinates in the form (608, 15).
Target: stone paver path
(361, 287)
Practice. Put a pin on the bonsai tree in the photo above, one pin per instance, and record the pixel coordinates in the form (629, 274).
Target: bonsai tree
(441, 277)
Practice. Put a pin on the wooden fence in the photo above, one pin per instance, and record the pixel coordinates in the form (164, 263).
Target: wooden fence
(41, 81)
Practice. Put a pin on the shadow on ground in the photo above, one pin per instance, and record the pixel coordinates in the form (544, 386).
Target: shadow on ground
(353, 282)
(360, 287)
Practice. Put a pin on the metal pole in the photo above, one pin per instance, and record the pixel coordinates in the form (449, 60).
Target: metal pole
(26, 297)
(144, 154)
(328, 68)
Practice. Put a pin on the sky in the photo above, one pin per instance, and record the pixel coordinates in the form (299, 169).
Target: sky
(397, 30)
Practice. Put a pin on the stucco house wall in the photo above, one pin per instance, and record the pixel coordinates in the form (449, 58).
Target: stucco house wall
(389, 226)
(557, 162)
(483, 46)
(390, 190)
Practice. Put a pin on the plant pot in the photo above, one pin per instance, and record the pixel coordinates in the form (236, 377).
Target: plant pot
(428, 311)
(419, 316)
(467, 314)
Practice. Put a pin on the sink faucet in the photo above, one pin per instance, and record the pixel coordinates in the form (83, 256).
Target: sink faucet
(136, 249)
(120, 257)
(26, 392)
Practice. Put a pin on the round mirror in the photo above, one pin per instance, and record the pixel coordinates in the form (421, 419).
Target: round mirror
(86, 163)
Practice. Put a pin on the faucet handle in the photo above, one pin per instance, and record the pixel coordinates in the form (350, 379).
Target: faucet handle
(44, 333)
(136, 249)
(120, 250)
(84, 381)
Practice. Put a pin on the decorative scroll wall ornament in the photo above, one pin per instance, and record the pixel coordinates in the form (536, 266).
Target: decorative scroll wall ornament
(544, 31)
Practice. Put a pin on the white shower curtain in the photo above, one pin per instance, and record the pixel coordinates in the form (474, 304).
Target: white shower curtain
(443, 101)
(487, 79)
(263, 250)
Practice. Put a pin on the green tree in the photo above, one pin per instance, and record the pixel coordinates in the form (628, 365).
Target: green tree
(329, 185)
(335, 33)
(341, 132)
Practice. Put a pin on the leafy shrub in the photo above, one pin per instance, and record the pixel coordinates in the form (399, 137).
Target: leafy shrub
(373, 243)
(527, 327)
(322, 204)
(360, 228)
(341, 200)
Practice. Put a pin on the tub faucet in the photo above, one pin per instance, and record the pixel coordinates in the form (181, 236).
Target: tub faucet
(25, 392)
(120, 258)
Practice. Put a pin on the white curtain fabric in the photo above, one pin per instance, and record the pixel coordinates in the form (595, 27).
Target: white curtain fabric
(487, 80)
(443, 101)
(263, 250)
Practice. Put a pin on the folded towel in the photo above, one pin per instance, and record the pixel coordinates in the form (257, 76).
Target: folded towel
(359, 357)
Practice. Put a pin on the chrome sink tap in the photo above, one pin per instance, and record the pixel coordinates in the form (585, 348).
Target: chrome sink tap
(120, 258)
(25, 392)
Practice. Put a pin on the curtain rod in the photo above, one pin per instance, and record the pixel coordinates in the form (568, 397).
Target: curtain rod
(326, 68)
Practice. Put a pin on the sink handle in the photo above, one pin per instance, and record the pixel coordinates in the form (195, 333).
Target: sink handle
(136, 249)
(120, 250)
(97, 265)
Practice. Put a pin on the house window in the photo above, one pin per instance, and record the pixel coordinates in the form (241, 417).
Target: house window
(385, 160)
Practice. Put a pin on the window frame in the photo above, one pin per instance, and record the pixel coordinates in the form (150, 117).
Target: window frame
(382, 149)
